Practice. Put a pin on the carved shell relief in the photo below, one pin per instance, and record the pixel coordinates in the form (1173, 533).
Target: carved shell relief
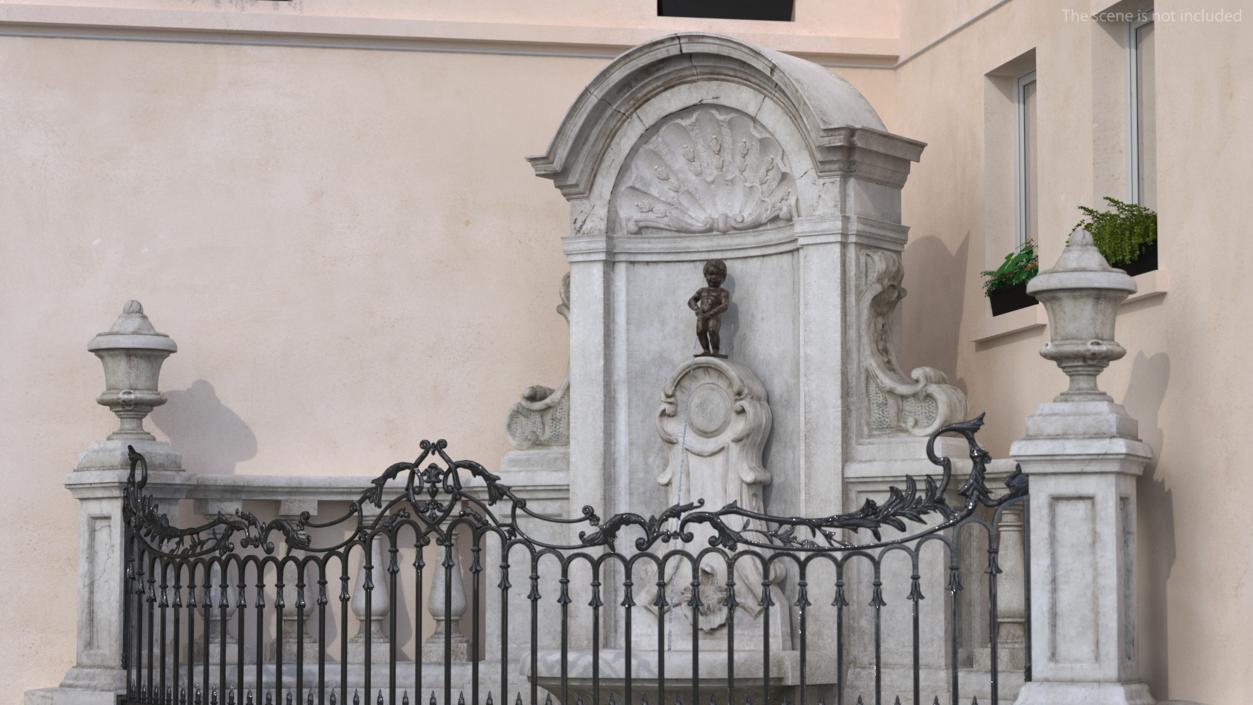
(708, 170)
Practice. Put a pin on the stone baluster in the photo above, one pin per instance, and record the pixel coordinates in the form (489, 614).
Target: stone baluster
(372, 621)
(290, 510)
(447, 605)
(219, 595)
(1082, 455)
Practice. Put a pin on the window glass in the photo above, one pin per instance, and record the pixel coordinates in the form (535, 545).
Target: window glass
(1145, 117)
(777, 10)
(1028, 203)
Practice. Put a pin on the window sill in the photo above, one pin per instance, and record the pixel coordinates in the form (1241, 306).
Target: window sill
(1149, 285)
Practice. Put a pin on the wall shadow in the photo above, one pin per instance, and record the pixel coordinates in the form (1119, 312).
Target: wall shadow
(212, 438)
(1155, 521)
(932, 311)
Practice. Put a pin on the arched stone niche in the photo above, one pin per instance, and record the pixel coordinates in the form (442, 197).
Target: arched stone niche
(694, 147)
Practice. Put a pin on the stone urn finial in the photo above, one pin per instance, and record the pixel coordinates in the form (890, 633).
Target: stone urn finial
(132, 352)
(1081, 294)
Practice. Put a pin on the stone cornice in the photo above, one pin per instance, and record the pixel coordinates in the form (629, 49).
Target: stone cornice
(281, 26)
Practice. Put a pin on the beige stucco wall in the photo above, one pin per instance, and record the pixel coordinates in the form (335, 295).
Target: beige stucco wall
(352, 254)
(347, 245)
(1182, 377)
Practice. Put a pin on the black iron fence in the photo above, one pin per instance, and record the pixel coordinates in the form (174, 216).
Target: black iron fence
(495, 602)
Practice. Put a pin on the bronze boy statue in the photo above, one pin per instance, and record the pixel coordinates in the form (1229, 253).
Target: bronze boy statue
(709, 303)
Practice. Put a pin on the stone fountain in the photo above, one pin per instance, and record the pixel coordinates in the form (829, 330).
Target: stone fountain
(685, 150)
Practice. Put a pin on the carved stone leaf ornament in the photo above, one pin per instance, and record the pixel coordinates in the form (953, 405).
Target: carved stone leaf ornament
(711, 169)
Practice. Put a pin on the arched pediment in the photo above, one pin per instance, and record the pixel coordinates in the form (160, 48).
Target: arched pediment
(830, 115)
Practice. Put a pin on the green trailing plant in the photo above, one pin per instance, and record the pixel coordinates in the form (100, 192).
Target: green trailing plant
(1123, 232)
(1018, 268)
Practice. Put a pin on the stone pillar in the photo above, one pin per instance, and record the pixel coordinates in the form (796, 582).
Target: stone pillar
(1011, 605)
(822, 267)
(590, 377)
(132, 353)
(1083, 456)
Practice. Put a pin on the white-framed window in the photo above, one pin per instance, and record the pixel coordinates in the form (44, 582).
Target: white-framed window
(1026, 137)
(1142, 116)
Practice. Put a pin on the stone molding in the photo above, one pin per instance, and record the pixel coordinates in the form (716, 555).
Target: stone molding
(840, 129)
(310, 30)
(808, 231)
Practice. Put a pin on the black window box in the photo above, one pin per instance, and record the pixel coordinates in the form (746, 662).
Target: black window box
(1010, 298)
(775, 10)
(1146, 262)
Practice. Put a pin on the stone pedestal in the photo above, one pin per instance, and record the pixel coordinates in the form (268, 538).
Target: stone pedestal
(1082, 455)
(1083, 460)
(131, 352)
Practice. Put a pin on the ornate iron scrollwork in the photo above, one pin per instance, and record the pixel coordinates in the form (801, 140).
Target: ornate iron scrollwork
(436, 489)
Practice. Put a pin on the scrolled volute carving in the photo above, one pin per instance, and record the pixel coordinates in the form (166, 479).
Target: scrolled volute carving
(919, 404)
(709, 170)
(542, 417)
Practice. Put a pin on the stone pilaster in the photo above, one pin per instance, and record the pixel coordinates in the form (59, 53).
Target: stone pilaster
(1083, 460)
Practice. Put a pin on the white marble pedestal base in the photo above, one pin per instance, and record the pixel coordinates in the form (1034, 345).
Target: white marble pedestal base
(82, 686)
(1054, 693)
(746, 685)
